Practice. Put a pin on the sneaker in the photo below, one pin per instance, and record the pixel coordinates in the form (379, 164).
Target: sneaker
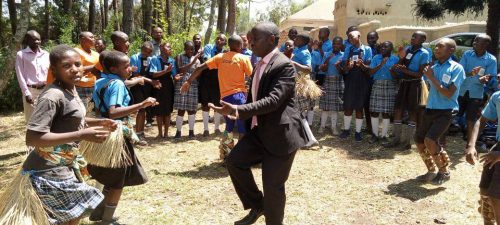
(191, 134)
(344, 134)
(373, 139)
(358, 137)
(177, 135)
(426, 177)
(321, 130)
(206, 133)
(216, 131)
(441, 178)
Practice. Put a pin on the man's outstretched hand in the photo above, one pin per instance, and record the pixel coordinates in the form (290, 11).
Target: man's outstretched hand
(227, 109)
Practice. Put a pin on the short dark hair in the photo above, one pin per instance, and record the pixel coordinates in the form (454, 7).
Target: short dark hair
(188, 43)
(338, 38)
(304, 37)
(117, 35)
(233, 39)
(270, 29)
(147, 44)
(58, 52)
(113, 58)
(325, 29)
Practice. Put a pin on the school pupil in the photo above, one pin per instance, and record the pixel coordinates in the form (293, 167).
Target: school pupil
(163, 69)
(57, 124)
(301, 60)
(113, 101)
(357, 84)
(289, 49)
(188, 102)
(292, 34)
(99, 45)
(383, 92)
(330, 103)
(232, 68)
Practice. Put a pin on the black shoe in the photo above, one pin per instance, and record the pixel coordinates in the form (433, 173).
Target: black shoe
(441, 178)
(206, 133)
(177, 135)
(424, 178)
(373, 139)
(252, 216)
(191, 134)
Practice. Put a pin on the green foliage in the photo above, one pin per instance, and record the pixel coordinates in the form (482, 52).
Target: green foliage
(177, 42)
(279, 10)
(10, 96)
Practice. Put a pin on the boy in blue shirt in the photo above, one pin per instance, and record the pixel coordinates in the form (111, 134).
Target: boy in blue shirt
(292, 34)
(412, 62)
(445, 78)
(357, 83)
(480, 66)
(331, 101)
(372, 38)
(383, 93)
(490, 178)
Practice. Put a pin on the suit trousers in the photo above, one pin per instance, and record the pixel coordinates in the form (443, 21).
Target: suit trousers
(28, 108)
(275, 170)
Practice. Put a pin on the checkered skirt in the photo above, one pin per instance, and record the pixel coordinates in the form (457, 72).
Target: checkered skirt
(85, 94)
(333, 88)
(383, 96)
(188, 101)
(65, 199)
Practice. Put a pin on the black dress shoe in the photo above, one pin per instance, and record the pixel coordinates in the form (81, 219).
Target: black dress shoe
(252, 216)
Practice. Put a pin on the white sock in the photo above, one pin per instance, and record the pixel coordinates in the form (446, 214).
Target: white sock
(178, 122)
(191, 120)
(347, 122)
(310, 116)
(385, 127)
(375, 126)
(217, 118)
(333, 119)
(324, 116)
(359, 124)
(205, 120)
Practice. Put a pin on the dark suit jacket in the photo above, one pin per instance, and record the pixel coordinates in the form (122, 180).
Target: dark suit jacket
(280, 127)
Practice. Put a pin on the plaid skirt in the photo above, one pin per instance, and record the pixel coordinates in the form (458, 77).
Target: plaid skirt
(188, 101)
(63, 197)
(85, 94)
(383, 96)
(333, 88)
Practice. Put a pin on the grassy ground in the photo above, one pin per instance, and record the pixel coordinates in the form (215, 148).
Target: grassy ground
(340, 183)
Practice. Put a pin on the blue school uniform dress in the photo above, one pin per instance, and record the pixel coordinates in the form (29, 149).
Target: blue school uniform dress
(410, 88)
(490, 178)
(333, 88)
(208, 81)
(437, 116)
(317, 60)
(356, 81)
(383, 94)
(302, 56)
(472, 90)
(141, 92)
(110, 90)
(165, 95)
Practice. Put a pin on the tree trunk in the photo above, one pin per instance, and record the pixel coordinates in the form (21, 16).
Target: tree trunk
(147, 17)
(211, 18)
(168, 16)
(492, 25)
(191, 9)
(115, 11)
(15, 44)
(46, 28)
(184, 15)
(91, 16)
(2, 42)
(67, 6)
(11, 4)
(221, 16)
(231, 17)
(105, 14)
(128, 16)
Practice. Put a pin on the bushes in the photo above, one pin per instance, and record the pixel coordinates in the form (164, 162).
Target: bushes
(10, 96)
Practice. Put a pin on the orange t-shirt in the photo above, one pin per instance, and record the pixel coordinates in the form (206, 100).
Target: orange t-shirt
(88, 79)
(232, 69)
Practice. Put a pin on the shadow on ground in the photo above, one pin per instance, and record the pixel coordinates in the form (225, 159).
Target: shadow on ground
(412, 190)
(215, 170)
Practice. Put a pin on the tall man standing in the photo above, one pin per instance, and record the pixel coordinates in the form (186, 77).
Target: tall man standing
(276, 130)
(32, 66)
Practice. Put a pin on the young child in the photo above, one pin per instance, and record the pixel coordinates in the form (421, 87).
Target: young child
(357, 83)
(113, 101)
(141, 61)
(163, 69)
(445, 78)
(99, 45)
(289, 49)
(57, 124)
(186, 63)
(383, 92)
(331, 101)
(302, 61)
(232, 66)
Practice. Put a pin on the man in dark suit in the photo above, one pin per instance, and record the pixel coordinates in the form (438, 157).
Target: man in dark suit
(275, 134)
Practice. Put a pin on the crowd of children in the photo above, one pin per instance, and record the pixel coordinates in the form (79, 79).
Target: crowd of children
(416, 88)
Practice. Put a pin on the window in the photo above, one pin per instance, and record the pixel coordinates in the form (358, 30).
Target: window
(465, 40)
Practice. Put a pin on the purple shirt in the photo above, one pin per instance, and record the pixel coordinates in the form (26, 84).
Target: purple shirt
(31, 68)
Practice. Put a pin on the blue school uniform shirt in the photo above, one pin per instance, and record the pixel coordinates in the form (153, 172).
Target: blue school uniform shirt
(332, 69)
(492, 110)
(247, 52)
(450, 72)
(316, 61)
(156, 64)
(366, 50)
(116, 94)
(282, 47)
(135, 60)
(383, 73)
(210, 50)
(421, 57)
(346, 44)
(327, 46)
(472, 84)
(302, 55)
